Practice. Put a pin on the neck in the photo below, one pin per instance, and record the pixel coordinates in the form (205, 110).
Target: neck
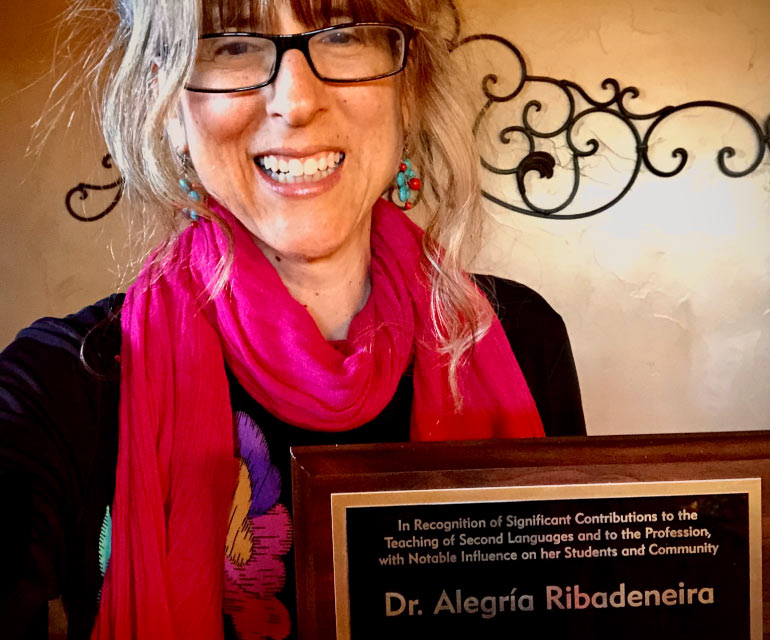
(333, 288)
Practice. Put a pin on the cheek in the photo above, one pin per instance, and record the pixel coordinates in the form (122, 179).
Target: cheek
(218, 119)
(379, 127)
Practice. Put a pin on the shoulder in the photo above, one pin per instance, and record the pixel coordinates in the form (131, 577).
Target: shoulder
(528, 319)
(541, 344)
(68, 333)
(58, 378)
(519, 306)
(59, 374)
(84, 343)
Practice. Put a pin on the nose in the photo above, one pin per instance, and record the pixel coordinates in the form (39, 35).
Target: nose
(296, 94)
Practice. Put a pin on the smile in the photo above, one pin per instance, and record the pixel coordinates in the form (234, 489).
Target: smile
(291, 170)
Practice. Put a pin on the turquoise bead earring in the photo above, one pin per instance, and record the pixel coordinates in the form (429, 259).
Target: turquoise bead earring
(408, 184)
(187, 187)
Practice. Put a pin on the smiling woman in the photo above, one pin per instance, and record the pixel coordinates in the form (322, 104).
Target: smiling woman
(289, 303)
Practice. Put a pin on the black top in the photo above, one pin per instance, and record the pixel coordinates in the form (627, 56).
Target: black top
(59, 391)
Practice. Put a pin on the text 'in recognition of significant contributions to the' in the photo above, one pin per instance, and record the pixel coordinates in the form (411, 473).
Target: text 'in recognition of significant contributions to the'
(677, 560)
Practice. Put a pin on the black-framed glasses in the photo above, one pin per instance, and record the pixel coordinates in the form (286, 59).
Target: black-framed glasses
(354, 52)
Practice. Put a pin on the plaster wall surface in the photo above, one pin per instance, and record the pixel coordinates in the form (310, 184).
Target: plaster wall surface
(50, 263)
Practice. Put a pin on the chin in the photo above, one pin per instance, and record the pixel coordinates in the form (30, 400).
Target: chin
(306, 250)
(313, 234)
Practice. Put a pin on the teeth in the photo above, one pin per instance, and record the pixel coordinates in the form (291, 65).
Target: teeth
(287, 178)
(296, 167)
(311, 166)
(295, 170)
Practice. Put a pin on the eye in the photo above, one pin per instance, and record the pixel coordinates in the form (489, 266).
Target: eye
(228, 49)
(233, 49)
(342, 37)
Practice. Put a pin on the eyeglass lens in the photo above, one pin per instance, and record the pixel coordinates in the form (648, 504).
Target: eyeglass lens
(357, 52)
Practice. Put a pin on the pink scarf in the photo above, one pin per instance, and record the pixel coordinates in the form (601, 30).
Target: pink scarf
(176, 468)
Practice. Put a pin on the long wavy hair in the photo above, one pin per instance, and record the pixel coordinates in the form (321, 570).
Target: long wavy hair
(137, 103)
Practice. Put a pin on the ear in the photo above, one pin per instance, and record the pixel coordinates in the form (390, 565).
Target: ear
(407, 79)
(177, 133)
(175, 128)
(407, 105)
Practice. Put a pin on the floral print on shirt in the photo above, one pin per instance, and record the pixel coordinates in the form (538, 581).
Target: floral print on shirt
(259, 535)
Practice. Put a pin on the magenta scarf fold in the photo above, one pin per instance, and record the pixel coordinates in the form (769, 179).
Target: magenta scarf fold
(176, 469)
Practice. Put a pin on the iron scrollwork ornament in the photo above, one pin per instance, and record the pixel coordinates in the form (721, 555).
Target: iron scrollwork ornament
(641, 126)
(83, 189)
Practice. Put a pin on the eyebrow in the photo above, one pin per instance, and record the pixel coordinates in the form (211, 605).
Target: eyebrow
(242, 24)
(341, 12)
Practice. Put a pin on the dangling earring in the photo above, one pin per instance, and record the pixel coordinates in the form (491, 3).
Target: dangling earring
(191, 189)
(188, 188)
(408, 185)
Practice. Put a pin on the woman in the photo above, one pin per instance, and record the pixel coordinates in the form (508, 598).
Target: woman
(289, 305)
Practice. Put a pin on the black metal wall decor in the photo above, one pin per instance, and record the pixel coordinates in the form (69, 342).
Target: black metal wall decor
(84, 188)
(640, 125)
(535, 159)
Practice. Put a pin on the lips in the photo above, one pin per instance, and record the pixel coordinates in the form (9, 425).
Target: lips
(299, 169)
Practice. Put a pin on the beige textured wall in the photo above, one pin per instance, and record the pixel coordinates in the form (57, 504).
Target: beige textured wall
(666, 295)
(50, 264)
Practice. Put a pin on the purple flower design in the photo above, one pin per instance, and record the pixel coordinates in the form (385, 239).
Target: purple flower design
(260, 534)
(264, 477)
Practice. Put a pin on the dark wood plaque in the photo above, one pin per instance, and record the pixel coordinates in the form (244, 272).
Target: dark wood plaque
(601, 537)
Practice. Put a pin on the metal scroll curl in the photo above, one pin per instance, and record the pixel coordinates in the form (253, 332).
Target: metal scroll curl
(83, 189)
(580, 107)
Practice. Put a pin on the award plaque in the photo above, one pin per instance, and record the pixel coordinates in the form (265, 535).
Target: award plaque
(613, 537)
